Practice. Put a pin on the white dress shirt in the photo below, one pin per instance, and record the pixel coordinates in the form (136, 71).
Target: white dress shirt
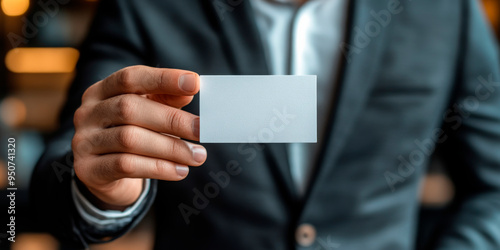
(304, 40)
(298, 40)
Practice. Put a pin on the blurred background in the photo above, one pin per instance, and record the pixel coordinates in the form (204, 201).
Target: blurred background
(38, 52)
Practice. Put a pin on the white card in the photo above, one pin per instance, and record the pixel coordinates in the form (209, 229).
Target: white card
(258, 109)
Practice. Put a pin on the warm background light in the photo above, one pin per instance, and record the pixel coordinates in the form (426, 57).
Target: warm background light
(13, 111)
(3, 175)
(436, 190)
(41, 60)
(32, 109)
(15, 7)
(492, 10)
(35, 241)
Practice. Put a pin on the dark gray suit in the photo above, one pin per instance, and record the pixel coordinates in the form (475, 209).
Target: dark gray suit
(433, 69)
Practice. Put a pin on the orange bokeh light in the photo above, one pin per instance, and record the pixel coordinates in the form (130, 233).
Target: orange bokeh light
(13, 111)
(15, 7)
(41, 60)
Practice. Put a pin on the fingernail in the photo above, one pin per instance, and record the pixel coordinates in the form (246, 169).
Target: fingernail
(196, 127)
(199, 153)
(182, 170)
(187, 82)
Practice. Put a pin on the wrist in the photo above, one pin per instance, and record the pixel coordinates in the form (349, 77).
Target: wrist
(96, 201)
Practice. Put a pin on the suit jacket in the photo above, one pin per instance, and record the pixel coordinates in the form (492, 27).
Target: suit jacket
(425, 75)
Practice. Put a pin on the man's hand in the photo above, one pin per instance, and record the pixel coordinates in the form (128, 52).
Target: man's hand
(129, 128)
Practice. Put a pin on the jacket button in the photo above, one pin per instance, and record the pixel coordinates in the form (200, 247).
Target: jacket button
(305, 235)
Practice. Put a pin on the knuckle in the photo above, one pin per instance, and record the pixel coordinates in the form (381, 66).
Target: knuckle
(79, 168)
(124, 165)
(174, 120)
(87, 94)
(81, 145)
(159, 79)
(80, 116)
(160, 168)
(155, 81)
(177, 147)
(127, 137)
(125, 78)
(126, 106)
(77, 138)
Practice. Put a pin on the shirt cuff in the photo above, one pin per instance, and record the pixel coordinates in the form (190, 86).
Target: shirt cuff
(107, 220)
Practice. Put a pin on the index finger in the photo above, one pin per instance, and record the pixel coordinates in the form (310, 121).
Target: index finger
(148, 80)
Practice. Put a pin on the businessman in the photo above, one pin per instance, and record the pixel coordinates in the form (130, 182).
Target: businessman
(396, 80)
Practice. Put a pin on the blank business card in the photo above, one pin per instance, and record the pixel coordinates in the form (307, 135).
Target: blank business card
(258, 109)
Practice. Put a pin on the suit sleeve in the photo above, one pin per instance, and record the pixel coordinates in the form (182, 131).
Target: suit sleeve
(473, 149)
(113, 43)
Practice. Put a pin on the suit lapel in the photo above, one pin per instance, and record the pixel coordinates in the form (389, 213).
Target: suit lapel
(245, 52)
(356, 78)
(280, 168)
